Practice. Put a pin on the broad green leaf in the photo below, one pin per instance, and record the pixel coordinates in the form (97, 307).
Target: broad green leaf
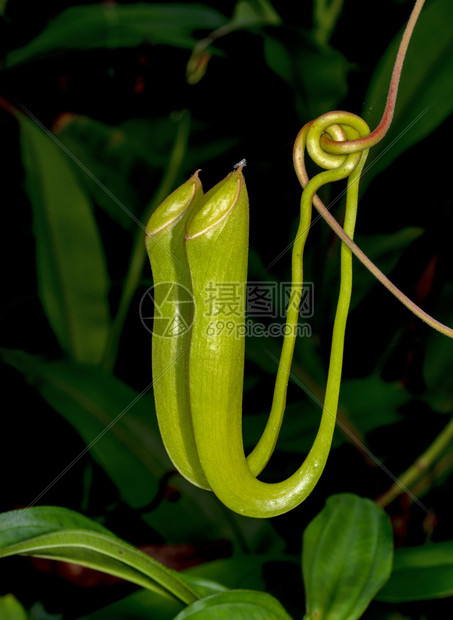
(11, 609)
(420, 573)
(130, 451)
(72, 275)
(346, 557)
(425, 94)
(103, 25)
(238, 604)
(67, 536)
(19, 525)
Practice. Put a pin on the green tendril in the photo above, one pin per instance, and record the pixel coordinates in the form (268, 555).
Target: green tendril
(330, 146)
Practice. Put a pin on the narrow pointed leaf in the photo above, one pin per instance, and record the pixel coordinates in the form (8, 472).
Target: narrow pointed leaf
(346, 558)
(115, 25)
(72, 275)
(68, 536)
(420, 573)
(144, 604)
(130, 450)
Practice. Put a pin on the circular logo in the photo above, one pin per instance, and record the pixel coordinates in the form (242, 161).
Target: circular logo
(167, 309)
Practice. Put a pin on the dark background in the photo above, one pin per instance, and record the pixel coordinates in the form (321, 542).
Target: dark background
(240, 97)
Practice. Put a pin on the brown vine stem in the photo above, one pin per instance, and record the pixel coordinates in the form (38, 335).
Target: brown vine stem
(299, 166)
(352, 146)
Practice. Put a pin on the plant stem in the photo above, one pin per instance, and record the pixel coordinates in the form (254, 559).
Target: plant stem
(352, 146)
(419, 467)
(138, 252)
(439, 469)
(330, 147)
(299, 166)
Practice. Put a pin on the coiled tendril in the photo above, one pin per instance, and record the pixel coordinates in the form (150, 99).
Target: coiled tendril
(325, 143)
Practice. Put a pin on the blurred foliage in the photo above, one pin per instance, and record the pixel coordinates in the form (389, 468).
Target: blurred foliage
(105, 108)
(11, 609)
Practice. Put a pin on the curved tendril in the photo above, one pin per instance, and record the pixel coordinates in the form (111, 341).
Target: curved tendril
(353, 146)
(299, 166)
(260, 455)
(321, 147)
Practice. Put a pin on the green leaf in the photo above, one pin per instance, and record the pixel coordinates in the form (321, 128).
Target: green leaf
(425, 94)
(11, 609)
(238, 604)
(131, 451)
(250, 13)
(240, 571)
(114, 159)
(346, 557)
(72, 275)
(128, 159)
(317, 74)
(371, 402)
(115, 25)
(37, 612)
(142, 605)
(325, 17)
(420, 573)
(145, 604)
(61, 534)
(3, 4)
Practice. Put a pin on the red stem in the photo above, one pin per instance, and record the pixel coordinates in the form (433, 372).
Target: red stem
(352, 146)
